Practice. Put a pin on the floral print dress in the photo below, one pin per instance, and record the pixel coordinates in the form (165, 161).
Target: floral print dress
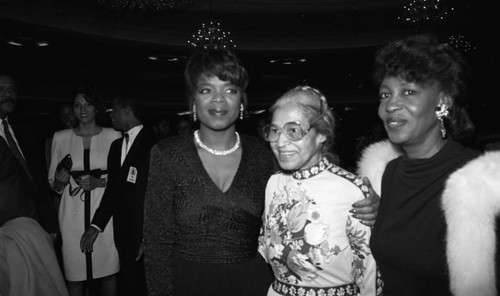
(313, 244)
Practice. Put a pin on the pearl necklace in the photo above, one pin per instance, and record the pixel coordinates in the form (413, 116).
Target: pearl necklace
(217, 152)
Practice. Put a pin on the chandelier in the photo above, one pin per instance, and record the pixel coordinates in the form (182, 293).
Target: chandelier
(144, 5)
(459, 43)
(211, 36)
(424, 13)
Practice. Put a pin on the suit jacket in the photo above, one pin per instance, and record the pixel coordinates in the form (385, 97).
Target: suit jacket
(28, 197)
(14, 199)
(124, 198)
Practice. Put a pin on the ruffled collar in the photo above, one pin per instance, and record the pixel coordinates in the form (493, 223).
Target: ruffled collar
(321, 166)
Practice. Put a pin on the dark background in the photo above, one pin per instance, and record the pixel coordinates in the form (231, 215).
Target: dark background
(336, 38)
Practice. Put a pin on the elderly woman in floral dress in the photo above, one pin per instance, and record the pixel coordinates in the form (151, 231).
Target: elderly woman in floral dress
(310, 239)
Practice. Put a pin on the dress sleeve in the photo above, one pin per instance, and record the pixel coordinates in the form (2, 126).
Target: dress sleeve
(262, 240)
(364, 266)
(159, 226)
(263, 236)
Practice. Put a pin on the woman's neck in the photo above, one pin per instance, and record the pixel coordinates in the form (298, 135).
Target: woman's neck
(87, 129)
(425, 150)
(219, 140)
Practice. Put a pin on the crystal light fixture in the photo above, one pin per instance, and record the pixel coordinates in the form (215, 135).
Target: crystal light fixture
(460, 43)
(211, 36)
(422, 13)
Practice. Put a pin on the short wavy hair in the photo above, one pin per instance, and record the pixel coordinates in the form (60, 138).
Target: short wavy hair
(422, 59)
(220, 63)
(315, 107)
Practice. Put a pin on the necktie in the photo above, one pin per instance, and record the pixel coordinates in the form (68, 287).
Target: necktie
(124, 153)
(13, 146)
(127, 138)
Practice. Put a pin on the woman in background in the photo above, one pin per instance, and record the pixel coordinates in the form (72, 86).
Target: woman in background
(310, 239)
(82, 187)
(435, 231)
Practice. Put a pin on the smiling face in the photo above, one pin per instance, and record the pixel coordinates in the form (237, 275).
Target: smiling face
(8, 96)
(217, 103)
(408, 113)
(296, 155)
(84, 111)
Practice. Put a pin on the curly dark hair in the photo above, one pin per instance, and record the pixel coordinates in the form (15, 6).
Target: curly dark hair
(422, 59)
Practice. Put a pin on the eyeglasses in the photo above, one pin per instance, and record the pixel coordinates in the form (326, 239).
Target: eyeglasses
(293, 130)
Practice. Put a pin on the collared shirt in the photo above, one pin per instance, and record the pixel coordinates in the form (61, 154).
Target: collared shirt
(2, 134)
(132, 134)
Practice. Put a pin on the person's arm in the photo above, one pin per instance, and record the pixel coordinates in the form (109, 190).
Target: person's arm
(366, 209)
(57, 179)
(61, 178)
(89, 182)
(262, 239)
(159, 224)
(107, 206)
(364, 265)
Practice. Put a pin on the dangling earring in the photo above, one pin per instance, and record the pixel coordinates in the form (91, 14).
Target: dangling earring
(441, 113)
(194, 113)
(241, 111)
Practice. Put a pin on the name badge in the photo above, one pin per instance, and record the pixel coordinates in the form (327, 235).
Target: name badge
(132, 175)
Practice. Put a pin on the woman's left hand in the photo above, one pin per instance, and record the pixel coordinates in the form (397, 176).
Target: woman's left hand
(89, 182)
(366, 210)
(140, 252)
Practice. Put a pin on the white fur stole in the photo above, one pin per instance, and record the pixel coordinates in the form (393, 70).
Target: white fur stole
(373, 161)
(471, 202)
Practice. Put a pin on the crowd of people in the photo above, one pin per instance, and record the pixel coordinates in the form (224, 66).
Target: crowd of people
(137, 209)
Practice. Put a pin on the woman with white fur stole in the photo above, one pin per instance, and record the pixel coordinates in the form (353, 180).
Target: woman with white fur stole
(435, 232)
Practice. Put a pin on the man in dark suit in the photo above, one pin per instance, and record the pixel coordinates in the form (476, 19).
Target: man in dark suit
(24, 190)
(14, 199)
(128, 164)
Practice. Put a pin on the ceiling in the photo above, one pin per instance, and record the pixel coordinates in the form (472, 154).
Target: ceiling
(334, 39)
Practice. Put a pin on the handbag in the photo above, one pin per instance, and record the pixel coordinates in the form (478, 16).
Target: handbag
(65, 163)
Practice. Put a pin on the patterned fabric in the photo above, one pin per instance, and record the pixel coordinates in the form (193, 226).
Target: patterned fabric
(188, 217)
(309, 238)
(290, 290)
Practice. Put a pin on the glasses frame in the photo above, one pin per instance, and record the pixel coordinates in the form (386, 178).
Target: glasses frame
(304, 131)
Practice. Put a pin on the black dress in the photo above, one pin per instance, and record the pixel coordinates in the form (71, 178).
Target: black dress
(198, 239)
(408, 240)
